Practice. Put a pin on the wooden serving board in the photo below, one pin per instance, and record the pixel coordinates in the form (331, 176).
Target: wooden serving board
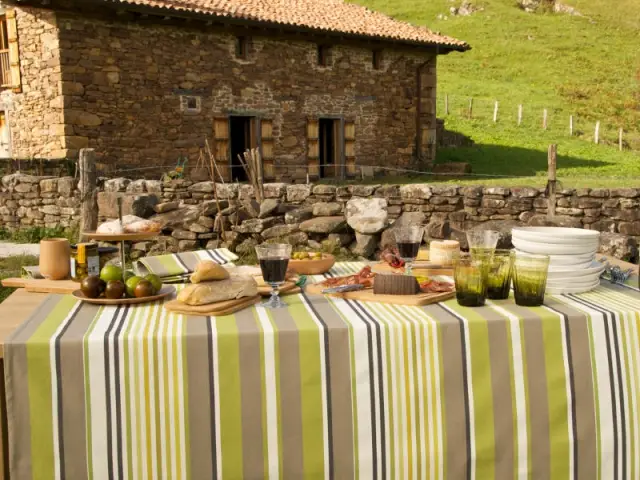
(367, 295)
(418, 269)
(265, 290)
(127, 237)
(217, 309)
(42, 285)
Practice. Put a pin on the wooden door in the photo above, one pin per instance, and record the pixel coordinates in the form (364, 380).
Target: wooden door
(266, 148)
(350, 147)
(313, 150)
(221, 146)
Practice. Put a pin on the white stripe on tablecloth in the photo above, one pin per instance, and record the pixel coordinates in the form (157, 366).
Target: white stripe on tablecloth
(54, 388)
(216, 400)
(520, 397)
(603, 386)
(271, 399)
(173, 336)
(98, 394)
(133, 391)
(152, 392)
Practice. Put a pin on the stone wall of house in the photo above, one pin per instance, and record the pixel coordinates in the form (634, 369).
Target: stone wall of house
(122, 83)
(35, 113)
(360, 218)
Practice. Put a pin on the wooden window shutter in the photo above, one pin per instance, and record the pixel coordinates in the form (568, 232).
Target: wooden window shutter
(313, 149)
(266, 148)
(221, 146)
(350, 147)
(14, 53)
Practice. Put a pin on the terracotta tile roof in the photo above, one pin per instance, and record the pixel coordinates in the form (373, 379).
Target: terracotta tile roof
(322, 15)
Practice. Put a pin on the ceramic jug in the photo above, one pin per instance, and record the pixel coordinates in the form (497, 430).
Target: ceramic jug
(55, 255)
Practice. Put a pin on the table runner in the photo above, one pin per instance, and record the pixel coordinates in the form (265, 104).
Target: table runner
(329, 389)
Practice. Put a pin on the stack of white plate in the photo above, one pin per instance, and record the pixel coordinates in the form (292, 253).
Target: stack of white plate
(572, 268)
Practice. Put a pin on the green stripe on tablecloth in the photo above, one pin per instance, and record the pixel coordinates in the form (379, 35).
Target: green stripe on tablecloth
(40, 381)
(230, 396)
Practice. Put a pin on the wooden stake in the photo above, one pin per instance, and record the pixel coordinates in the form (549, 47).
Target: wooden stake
(495, 112)
(551, 184)
(544, 119)
(470, 112)
(88, 192)
(519, 114)
(571, 125)
(620, 139)
(596, 135)
(446, 104)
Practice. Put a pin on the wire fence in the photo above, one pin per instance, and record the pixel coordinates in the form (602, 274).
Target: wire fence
(537, 116)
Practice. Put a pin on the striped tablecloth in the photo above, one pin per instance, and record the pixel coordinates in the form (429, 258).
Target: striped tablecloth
(329, 389)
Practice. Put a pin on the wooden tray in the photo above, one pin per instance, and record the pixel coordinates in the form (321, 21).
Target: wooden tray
(217, 309)
(127, 237)
(265, 290)
(368, 296)
(164, 292)
(41, 285)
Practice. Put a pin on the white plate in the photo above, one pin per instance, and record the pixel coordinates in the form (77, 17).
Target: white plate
(572, 282)
(571, 260)
(570, 289)
(563, 268)
(555, 235)
(594, 268)
(555, 249)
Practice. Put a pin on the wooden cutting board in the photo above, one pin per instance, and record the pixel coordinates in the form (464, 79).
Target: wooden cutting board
(218, 309)
(286, 289)
(368, 296)
(419, 269)
(42, 286)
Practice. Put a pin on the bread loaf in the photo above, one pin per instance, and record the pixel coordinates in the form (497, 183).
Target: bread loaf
(218, 291)
(208, 270)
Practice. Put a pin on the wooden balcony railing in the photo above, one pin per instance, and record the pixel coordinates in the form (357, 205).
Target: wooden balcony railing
(5, 69)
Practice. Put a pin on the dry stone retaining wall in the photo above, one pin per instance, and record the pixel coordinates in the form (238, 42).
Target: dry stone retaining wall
(357, 217)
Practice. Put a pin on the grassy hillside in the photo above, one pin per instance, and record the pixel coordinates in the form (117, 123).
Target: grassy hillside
(587, 66)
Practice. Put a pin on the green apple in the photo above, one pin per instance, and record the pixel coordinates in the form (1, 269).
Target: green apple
(110, 272)
(155, 281)
(131, 284)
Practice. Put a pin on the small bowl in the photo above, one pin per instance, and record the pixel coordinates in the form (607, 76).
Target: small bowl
(313, 267)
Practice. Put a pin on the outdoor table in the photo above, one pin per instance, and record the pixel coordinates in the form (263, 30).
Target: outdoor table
(328, 388)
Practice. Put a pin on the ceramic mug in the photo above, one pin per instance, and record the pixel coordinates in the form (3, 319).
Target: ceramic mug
(55, 257)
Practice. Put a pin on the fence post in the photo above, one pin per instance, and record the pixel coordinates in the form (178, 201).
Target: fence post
(470, 113)
(446, 104)
(519, 114)
(551, 184)
(544, 119)
(495, 112)
(620, 139)
(596, 135)
(571, 125)
(88, 192)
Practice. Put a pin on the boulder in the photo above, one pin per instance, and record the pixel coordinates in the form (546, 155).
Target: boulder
(324, 225)
(340, 239)
(66, 185)
(559, 221)
(367, 215)
(365, 244)
(184, 234)
(298, 193)
(407, 218)
(116, 185)
(198, 228)
(502, 226)
(187, 245)
(137, 186)
(326, 209)
(166, 207)
(363, 190)
(438, 229)
(298, 238)
(206, 221)
(415, 191)
(618, 246)
(252, 207)
(298, 215)
(268, 207)
(143, 205)
(280, 231)
(274, 190)
(48, 186)
(178, 218)
(202, 187)
(257, 225)
(324, 190)
(213, 244)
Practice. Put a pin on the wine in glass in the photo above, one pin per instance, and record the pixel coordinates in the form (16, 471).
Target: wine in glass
(274, 260)
(408, 240)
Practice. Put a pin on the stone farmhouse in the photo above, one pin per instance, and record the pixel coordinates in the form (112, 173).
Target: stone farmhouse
(322, 87)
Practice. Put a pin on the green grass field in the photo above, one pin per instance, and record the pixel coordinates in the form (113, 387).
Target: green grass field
(12, 267)
(587, 66)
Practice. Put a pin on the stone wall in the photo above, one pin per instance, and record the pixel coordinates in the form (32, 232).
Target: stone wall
(121, 82)
(35, 114)
(357, 217)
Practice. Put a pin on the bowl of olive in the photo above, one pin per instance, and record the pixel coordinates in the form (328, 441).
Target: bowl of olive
(311, 263)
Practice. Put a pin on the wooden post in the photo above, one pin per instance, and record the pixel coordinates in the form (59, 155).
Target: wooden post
(544, 119)
(470, 113)
(571, 125)
(596, 135)
(620, 139)
(551, 184)
(495, 112)
(88, 192)
(446, 104)
(519, 114)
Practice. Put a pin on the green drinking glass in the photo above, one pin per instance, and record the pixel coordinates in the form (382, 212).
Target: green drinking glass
(470, 277)
(499, 267)
(529, 278)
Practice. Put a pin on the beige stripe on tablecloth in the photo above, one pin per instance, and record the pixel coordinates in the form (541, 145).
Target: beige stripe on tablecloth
(455, 416)
(73, 399)
(583, 394)
(501, 359)
(290, 393)
(341, 394)
(16, 372)
(199, 441)
(250, 394)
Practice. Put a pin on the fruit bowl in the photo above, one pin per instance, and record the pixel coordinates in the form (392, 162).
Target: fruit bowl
(313, 266)
(165, 291)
